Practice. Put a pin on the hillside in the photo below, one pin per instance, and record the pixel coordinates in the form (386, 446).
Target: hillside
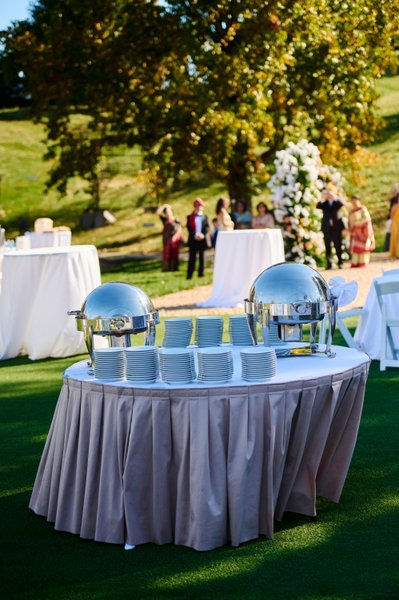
(23, 173)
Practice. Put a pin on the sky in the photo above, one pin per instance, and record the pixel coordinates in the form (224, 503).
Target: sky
(13, 10)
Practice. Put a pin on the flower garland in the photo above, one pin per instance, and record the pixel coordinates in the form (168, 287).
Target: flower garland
(296, 188)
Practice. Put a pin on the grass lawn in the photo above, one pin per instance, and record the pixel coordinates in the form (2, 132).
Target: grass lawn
(351, 552)
(147, 274)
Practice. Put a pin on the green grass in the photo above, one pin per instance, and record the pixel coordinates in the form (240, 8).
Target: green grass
(351, 552)
(147, 275)
(125, 194)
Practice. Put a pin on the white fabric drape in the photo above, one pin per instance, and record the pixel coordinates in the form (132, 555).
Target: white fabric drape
(46, 239)
(39, 287)
(240, 256)
(198, 466)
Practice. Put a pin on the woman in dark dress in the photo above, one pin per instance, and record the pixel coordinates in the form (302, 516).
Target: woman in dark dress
(171, 238)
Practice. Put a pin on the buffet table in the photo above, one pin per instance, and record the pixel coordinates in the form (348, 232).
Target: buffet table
(39, 287)
(367, 334)
(197, 465)
(240, 256)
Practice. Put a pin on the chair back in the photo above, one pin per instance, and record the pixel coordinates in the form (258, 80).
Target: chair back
(43, 224)
(388, 341)
(390, 272)
(385, 288)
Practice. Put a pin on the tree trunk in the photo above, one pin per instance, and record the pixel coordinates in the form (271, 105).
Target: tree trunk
(238, 177)
(94, 187)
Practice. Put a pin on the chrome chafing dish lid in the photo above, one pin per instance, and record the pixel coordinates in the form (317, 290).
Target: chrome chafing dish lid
(289, 293)
(116, 308)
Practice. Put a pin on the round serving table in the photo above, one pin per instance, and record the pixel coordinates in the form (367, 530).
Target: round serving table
(199, 466)
(39, 287)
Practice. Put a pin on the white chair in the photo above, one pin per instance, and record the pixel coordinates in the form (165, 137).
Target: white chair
(341, 315)
(383, 290)
(348, 314)
(390, 272)
(43, 224)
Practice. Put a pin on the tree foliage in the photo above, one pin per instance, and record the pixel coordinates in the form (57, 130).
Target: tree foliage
(213, 86)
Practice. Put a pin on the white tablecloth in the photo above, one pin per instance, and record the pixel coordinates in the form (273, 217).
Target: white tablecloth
(47, 239)
(197, 465)
(39, 287)
(368, 331)
(240, 256)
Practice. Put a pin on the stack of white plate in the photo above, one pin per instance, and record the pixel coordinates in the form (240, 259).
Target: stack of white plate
(258, 363)
(177, 333)
(239, 331)
(283, 349)
(208, 331)
(109, 363)
(215, 365)
(273, 335)
(176, 365)
(141, 364)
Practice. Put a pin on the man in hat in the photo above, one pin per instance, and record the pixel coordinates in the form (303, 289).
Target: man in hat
(332, 224)
(198, 227)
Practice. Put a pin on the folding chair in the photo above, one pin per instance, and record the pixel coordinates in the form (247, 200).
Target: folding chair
(390, 272)
(384, 289)
(341, 315)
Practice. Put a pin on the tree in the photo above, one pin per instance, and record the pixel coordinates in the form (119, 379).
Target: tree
(84, 68)
(211, 86)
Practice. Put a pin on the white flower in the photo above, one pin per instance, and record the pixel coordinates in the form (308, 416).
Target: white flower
(295, 186)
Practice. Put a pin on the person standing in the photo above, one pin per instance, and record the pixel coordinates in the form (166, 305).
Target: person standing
(224, 221)
(393, 199)
(263, 219)
(241, 216)
(198, 229)
(394, 237)
(171, 238)
(332, 225)
(214, 232)
(361, 233)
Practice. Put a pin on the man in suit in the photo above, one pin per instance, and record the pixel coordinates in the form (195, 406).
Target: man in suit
(332, 225)
(198, 227)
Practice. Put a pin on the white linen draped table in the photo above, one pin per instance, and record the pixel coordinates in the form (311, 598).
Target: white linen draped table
(199, 465)
(39, 287)
(240, 256)
(368, 331)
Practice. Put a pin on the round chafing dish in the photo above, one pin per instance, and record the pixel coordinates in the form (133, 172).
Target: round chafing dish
(290, 295)
(116, 310)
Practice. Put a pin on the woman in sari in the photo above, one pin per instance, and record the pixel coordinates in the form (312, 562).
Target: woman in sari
(361, 233)
(394, 237)
(171, 238)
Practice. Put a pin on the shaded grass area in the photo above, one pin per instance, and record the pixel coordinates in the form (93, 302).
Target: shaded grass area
(350, 552)
(147, 274)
